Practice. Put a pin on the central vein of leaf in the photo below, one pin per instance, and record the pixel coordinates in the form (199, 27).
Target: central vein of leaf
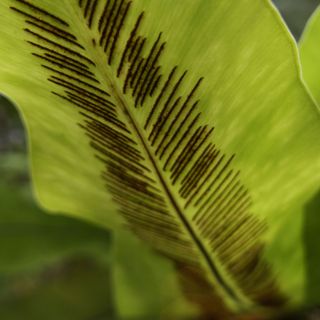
(108, 78)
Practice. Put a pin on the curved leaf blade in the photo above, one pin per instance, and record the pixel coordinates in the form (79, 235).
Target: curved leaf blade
(182, 184)
(309, 51)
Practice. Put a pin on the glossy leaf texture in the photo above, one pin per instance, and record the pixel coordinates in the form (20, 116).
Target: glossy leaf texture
(186, 121)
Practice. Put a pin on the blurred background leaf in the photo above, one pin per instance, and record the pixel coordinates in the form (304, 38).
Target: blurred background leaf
(296, 13)
(28, 237)
(51, 267)
(76, 288)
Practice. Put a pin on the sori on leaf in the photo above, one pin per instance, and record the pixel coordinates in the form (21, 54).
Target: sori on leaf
(183, 121)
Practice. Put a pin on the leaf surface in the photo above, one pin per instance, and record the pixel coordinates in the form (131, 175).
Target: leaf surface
(309, 52)
(186, 121)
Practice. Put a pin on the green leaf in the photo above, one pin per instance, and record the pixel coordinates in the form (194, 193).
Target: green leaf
(144, 284)
(309, 52)
(44, 242)
(75, 288)
(31, 239)
(185, 120)
(32, 242)
(51, 267)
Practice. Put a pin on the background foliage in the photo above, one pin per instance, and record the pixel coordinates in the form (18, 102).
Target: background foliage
(43, 267)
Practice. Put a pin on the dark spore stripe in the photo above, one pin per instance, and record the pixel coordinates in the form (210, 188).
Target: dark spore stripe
(128, 180)
(125, 149)
(113, 146)
(149, 78)
(97, 111)
(145, 212)
(135, 73)
(162, 119)
(215, 166)
(181, 140)
(75, 79)
(117, 34)
(133, 188)
(190, 192)
(58, 54)
(225, 216)
(108, 112)
(151, 216)
(196, 171)
(146, 64)
(146, 209)
(165, 120)
(87, 8)
(149, 85)
(155, 85)
(45, 23)
(82, 91)
(118, 136)
(129, 43)
(217, 202)
(127, 190)
(222, 212)
(102, 16)
(150, 220)
(63, 48)
(163, 90)
(130, 72)
(208, 188)
(43, 12)
(186, 150)
(182, 109)
(65, 65)
(107, 19)
(138, 204)
(54, 33)
(188, 157)
(216, 192)
(133, 49)
(113, 26)
(75, 65)
(92, 13)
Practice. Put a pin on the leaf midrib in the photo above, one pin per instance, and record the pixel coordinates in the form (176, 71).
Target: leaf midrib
(107, 77)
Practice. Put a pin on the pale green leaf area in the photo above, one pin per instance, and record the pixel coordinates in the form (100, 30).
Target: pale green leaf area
(309, 53)
(251, 94)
